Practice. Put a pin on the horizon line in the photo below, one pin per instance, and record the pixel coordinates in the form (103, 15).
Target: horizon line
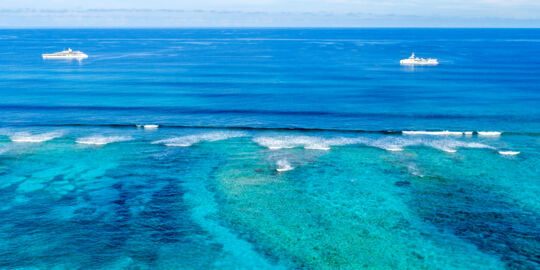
(255, 27)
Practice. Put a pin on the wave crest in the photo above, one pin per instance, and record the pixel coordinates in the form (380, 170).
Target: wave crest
(451, 146)
(509, 153)
(148, 127)
(489, 133)
(102, 140)
(437, 133)
(25, 137)
(189, 140)
(307, 142)
(283, 165)
(392, 143)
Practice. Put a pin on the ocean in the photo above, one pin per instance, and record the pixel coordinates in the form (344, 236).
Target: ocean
(270, 149)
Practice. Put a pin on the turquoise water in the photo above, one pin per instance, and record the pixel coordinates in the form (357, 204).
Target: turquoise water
(276, 149)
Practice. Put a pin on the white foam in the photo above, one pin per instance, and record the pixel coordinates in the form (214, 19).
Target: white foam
(448, 145)
(278, 147)
(436, 133)
(509, 153)
(102, 140)
(393, 149)
(393, 144)
(25, 137)
(280, 142)
(307, 142)
(283, 165)
(451, 146)
(388, 143)
(148, 127)
(190, 140)
(317, 147)
(489, 133)
(347, 141)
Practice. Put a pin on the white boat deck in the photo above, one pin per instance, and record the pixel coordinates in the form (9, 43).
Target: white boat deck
(69, 54)
(412, 60)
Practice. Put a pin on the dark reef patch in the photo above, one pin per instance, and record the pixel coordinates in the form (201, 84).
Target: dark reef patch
(483, 218)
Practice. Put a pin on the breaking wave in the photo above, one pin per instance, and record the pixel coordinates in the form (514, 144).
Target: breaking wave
(451, 146)
(148, 127)
(102, 140)
(307, 142)
(25, 137)
(438, 133)
(283, 165)
(509, 153)
(446, 145)
(489, 133)
(393, 143)
(440, 140)
(190, 140)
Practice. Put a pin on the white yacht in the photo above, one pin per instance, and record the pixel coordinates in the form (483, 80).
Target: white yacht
(419, 61)
(69, 54)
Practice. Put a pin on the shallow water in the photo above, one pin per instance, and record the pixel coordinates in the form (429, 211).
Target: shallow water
(277, 149)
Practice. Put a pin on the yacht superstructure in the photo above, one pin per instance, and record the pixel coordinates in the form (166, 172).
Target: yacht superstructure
(69, 54)
(412, 60)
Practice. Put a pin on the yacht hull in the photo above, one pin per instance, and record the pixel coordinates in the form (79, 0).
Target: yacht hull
(416, 61)
(412, 63)
(49, 56)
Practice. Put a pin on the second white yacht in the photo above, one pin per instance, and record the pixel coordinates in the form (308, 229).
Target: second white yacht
(69, 54)
(412, 60)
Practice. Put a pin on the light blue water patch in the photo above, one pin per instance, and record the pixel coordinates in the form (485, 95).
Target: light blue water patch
(240, 254)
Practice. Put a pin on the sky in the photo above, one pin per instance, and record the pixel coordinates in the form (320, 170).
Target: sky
(269, 13)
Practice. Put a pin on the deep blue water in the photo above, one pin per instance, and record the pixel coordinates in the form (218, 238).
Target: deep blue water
(276, 149)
